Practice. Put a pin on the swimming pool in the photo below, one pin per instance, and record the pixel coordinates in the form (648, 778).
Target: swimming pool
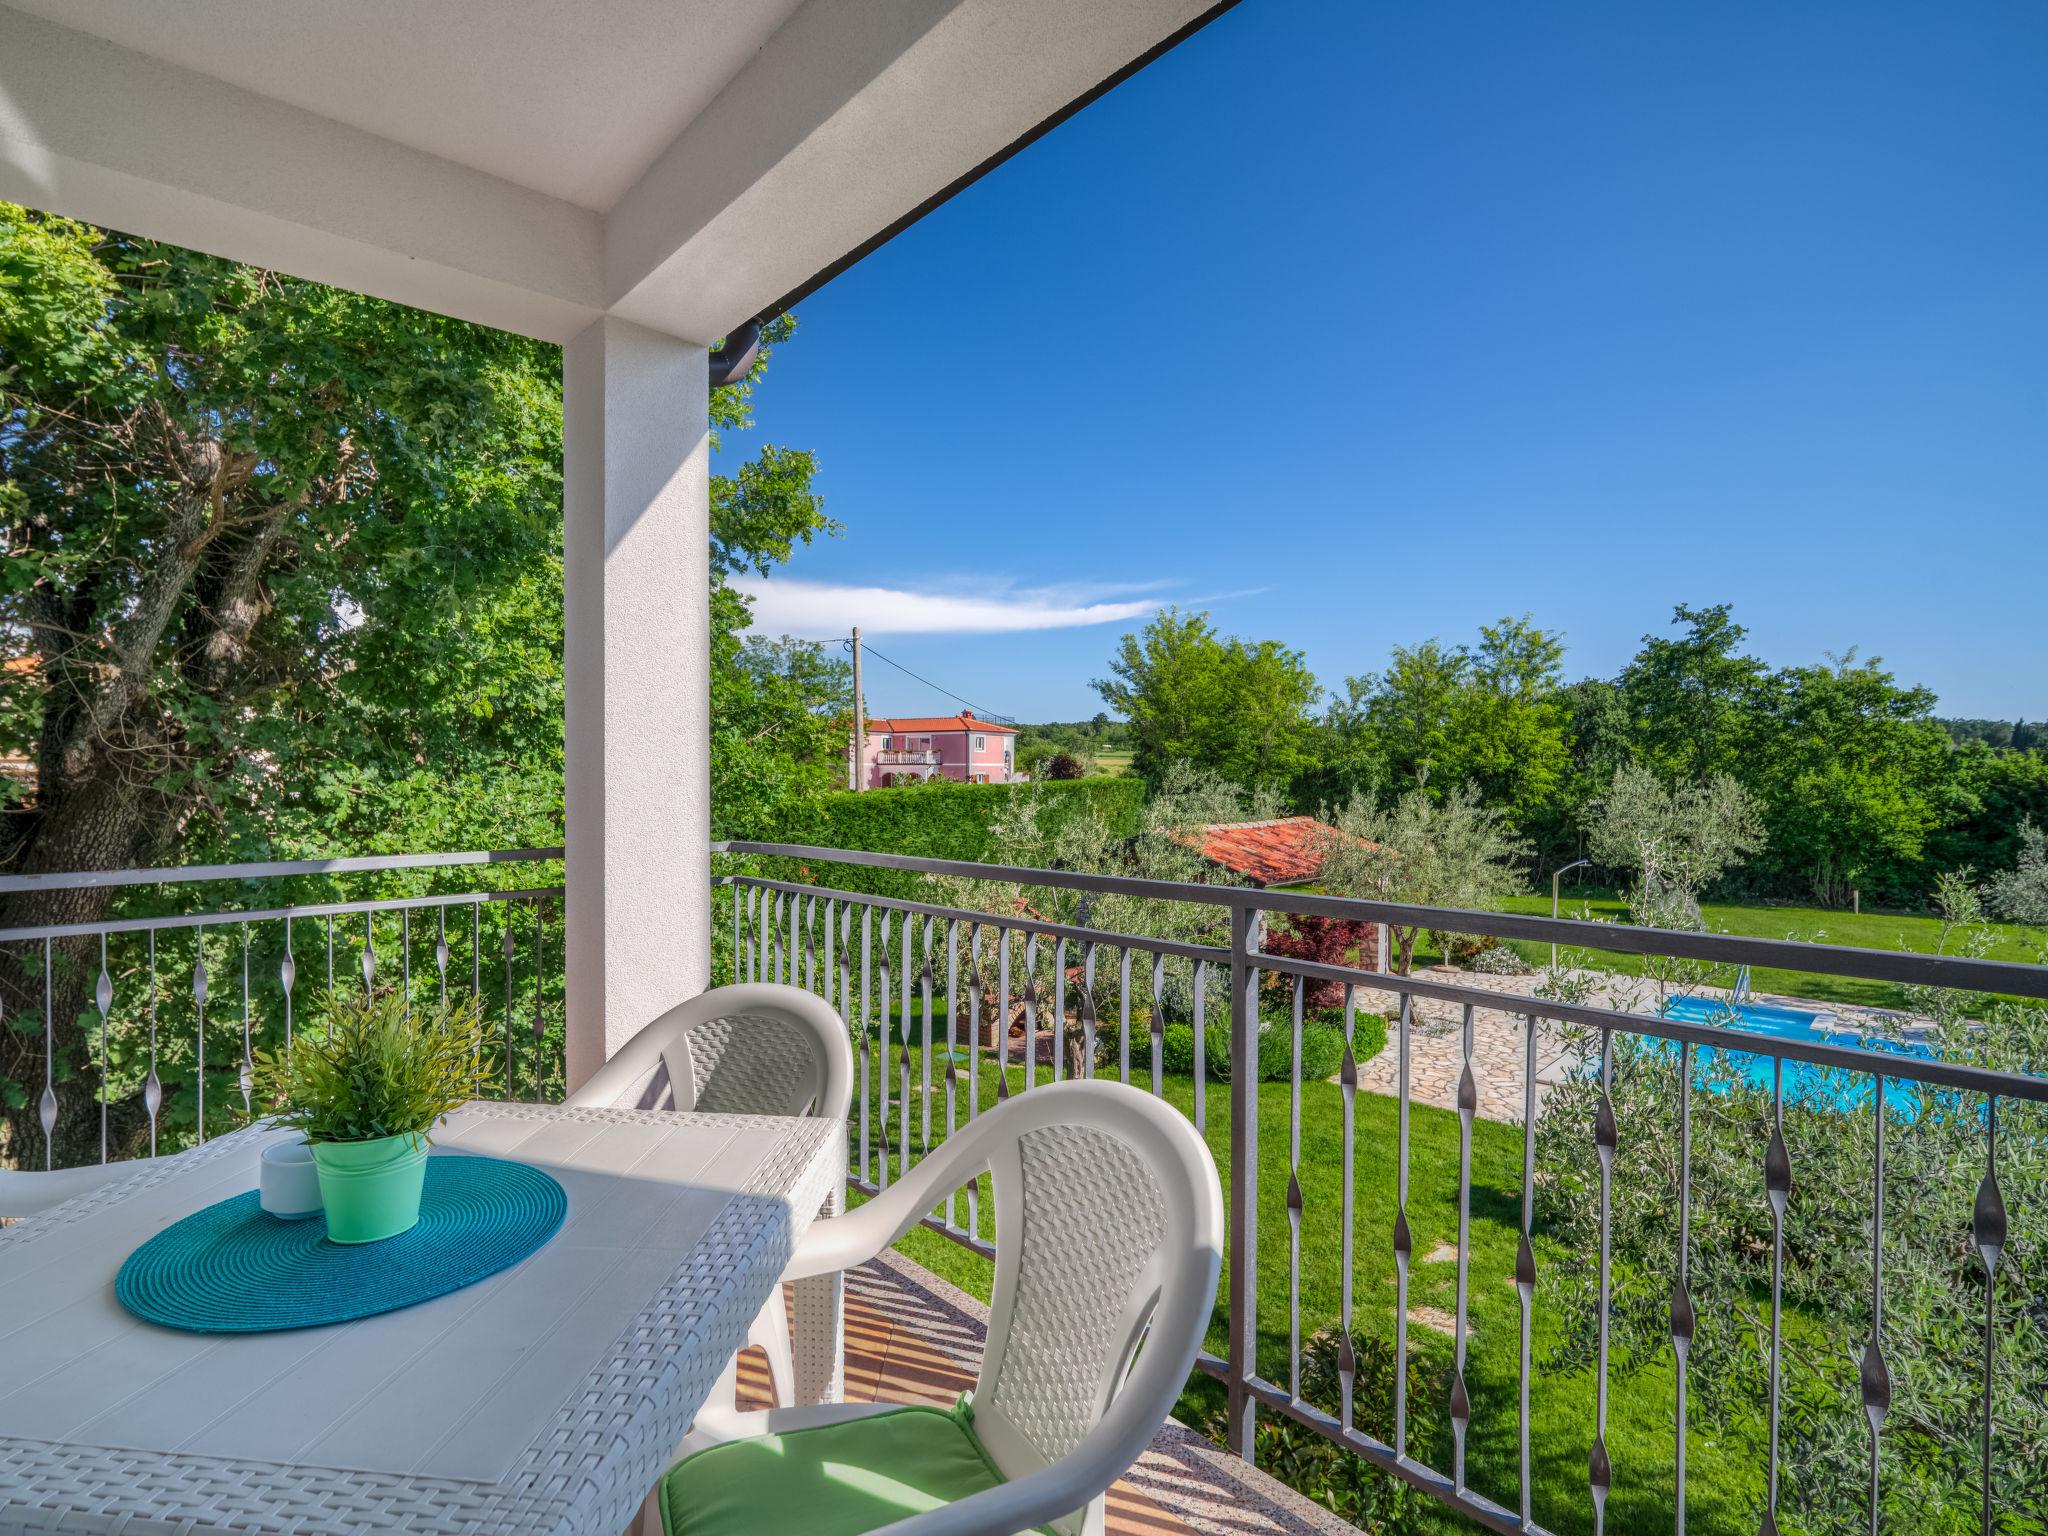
(1803, 1080)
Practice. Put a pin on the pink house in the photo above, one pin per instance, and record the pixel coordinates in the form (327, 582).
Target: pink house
(958, 746)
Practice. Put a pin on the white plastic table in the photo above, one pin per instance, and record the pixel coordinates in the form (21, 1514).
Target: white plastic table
(546, 1398)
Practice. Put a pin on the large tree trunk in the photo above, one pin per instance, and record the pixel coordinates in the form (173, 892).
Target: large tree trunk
(89, 814)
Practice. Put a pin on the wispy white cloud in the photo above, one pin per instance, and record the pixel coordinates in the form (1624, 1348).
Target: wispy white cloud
(819, 610)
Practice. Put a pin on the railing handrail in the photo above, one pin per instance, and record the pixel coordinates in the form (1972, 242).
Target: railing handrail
(1849, 1058)
(231, 915)
(2012, 978)
(185, 874)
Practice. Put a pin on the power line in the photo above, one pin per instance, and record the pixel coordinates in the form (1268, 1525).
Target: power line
(984, 714)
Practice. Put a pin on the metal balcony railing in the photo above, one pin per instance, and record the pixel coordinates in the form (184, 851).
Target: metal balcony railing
(932, 993)
(183, 998)
(921, 982)
(900, 759)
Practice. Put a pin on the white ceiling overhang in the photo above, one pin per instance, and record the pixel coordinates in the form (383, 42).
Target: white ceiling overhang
(531, 165)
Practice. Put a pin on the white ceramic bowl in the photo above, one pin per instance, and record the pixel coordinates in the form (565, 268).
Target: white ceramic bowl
(288, 1183)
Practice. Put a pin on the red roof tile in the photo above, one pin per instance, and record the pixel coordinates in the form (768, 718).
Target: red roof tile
(896, 724)
(1280, 852)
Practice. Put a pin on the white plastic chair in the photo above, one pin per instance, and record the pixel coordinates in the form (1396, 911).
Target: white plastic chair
(1109, 1232)
(760, 1048)
(26, 1192)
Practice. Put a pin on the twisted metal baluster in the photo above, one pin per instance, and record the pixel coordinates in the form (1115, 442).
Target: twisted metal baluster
(831, 970)
(807, 922)
(1201, 1045)
(1683, 1320)
(476, 953)
(1059, 1010)
(974, 985)
(1525, 1250)
(973, 1033)
(199, 1010)
(1294, 1203)
(1403, 1240)
(905, 1023)
(1461, 1401)
(885, 1028)
(952, 1032)
(1159, 1026)
(330, 954)
(440, 952)
(926, 981)
(539, 1023)
(1088, 1019)
(508, 946)
(103, 994)
(867, 952)
(1875, 1379)
(1778, 1188)
(47, 1110)
(1347, 1077)
(1987, 1232)
(738, 896)
(405, 954)
(248, 1077)
(369, 960)
(1599, 1467)
(1123, 1048)
(1030, 1010)
(152, 1085)
(1002, 1019)
(287, 974)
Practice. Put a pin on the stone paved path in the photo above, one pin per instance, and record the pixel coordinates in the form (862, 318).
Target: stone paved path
(1500, 1043)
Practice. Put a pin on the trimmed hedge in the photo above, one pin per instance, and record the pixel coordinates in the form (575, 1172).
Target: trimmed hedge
(938, 821)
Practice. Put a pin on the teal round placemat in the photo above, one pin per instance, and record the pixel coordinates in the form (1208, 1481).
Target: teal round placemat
(232, 1269)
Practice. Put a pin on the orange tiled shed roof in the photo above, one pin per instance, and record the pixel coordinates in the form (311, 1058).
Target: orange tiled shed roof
(1278, 852)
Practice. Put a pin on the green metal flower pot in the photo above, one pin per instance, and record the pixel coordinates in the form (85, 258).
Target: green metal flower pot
(371, 1189)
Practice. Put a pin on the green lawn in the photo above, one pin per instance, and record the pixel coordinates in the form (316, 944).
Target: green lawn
(1868, 930)
(1721, 1486)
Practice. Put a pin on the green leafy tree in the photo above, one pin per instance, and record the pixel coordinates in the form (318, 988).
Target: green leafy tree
(1492, 715)
(1677, 841)
(1238, 709)
(280, 569)
(1453, 852)
(1692, 699)
(1849, 766)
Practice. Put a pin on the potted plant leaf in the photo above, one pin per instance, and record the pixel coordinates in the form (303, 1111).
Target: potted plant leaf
(366, 1090)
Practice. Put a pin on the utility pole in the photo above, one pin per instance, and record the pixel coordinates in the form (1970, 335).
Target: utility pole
(856, 771)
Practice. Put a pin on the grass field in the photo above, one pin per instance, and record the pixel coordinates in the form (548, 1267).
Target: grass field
(1868, 930)
(1723, 1482)
(1112, 763)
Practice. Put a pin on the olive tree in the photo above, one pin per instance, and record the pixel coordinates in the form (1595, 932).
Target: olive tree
(1452, 852)
(1678, 840)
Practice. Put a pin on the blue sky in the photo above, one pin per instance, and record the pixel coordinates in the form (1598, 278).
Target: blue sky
(1358, 324)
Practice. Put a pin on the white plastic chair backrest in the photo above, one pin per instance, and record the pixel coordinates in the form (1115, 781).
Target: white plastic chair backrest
(756, 1049)
(1109, 1231)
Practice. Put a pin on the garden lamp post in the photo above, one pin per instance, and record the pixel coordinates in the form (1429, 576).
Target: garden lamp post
(1557, 875)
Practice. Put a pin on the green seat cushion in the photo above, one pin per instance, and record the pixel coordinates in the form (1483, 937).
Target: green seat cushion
(836, 1480)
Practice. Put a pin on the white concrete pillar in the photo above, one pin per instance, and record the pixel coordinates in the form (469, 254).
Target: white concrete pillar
(636, 507)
